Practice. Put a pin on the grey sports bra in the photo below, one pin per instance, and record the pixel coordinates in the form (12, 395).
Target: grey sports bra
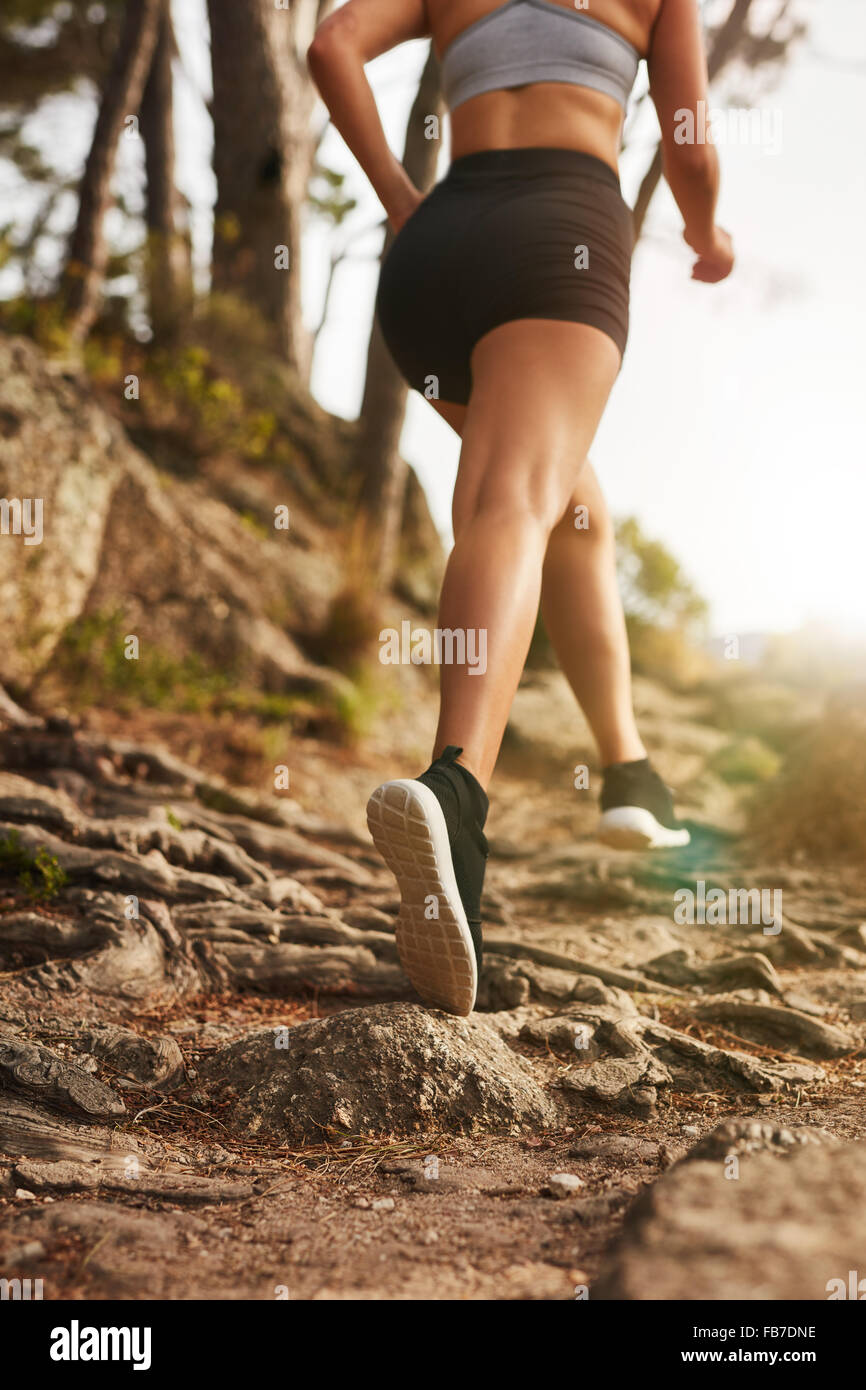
(537, 41)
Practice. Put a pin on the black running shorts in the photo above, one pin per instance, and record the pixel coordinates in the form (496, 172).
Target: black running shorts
(507, 234)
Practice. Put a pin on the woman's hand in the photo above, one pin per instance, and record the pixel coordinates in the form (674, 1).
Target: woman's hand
(715, 256)
(398, 216)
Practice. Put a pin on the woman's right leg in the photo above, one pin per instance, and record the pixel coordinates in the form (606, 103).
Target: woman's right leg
(539, 389)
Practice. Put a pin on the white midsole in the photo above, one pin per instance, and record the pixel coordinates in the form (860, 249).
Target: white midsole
(633, 827)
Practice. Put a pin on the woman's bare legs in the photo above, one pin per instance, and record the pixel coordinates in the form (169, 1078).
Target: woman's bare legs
(539, 390)
(583, 613)
(584, 619)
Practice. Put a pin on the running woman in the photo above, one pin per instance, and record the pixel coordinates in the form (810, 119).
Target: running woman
(508, 284)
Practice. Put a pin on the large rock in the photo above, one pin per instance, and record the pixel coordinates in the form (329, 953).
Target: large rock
(390, 1068)
(183, 572)
(192, 566)
(783, 1229)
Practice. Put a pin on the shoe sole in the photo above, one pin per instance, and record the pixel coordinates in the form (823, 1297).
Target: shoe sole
(437, 953)
(633, 827)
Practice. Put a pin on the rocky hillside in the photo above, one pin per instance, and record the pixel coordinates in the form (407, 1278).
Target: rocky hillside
(219, 574)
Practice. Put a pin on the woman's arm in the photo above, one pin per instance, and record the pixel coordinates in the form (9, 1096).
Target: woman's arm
(678, 85)
(355, 34)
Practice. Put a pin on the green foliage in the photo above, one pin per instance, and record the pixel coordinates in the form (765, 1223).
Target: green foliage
(91, 668)
(91, 663)
(39, 874)
(663, 612)
(653, 585)
(746, 760)
(775, 715)
(103, 360)
(39, 319)
(349, 631)
(326, 196)
(221, 799)
(252, 523)
(355, 709)
(46, 48)
(665, 654)
(188, 398)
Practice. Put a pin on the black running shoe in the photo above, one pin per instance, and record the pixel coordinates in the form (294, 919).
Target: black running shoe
(430, 832)
(636, 809)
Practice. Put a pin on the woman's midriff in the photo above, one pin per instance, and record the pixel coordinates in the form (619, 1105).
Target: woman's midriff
(551, 115)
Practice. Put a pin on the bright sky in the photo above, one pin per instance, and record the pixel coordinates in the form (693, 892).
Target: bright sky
(736, 430)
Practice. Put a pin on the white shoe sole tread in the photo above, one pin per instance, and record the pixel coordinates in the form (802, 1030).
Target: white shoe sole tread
(409, 831)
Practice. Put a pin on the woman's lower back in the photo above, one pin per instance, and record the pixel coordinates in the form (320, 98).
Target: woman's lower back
(546, 115)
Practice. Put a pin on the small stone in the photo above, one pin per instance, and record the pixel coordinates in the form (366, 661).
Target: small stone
(562, 1185)
(23, 1254)
(362, 1203)
(692, 1130)
(644, 1100)
(24, 1196)
(384, 1204)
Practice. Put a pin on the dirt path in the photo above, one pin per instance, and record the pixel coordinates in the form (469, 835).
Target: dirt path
(160, 1137)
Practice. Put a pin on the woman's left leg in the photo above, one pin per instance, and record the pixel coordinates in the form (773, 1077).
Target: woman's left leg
(583, 614)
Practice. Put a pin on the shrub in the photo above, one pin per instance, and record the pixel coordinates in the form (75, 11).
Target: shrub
(817, 804)
(747, 760)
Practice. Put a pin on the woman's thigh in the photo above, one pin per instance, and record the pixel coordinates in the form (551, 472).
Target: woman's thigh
(595, 520)
(539, 388)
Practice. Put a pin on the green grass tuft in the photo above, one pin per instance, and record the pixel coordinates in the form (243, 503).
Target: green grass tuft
(39, 874)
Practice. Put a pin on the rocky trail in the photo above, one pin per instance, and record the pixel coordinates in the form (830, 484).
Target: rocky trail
(216, 1082)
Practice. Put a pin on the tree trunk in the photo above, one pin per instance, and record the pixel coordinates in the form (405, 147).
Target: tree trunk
(88, 252)
(169, 273)
(377, 457)
(722, 50)
(263, 100)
